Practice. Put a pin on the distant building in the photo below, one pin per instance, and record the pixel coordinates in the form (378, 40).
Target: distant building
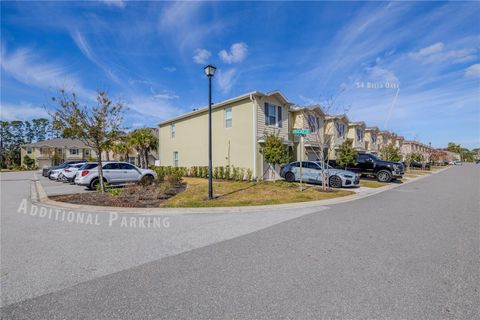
(55, 151)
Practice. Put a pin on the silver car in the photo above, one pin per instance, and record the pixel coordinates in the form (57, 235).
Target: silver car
(114, 173)
(312, 173)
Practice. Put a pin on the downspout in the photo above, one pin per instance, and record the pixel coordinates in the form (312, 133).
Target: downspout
(254, 137)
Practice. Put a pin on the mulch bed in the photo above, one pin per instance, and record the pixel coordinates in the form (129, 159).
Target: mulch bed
(132, 196)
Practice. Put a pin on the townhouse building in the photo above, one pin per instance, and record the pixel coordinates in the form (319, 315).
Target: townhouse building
(356, 132)
(336, 128)
(55, 151)
(398, 142)
(410, 146)
(238, 129)
(371, 144)
(312, 118)
(383, 138)
(239, 125)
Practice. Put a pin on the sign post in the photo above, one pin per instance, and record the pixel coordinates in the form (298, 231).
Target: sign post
(301, 133)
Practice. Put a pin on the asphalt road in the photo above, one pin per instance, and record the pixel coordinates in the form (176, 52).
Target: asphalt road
(408, 253)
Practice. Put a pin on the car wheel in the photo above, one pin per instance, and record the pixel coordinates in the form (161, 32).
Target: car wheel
(290, 177)
(384, 176)
(147, 180)
(95, 183)
(335, 182)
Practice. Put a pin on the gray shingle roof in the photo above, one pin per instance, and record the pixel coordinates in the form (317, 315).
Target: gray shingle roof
(59, 143)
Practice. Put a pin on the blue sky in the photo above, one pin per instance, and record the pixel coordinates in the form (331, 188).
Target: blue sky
(412, 68)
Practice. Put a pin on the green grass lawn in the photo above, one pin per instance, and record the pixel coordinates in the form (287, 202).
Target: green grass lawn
(418, 172)
(242, 193)
(372, 183)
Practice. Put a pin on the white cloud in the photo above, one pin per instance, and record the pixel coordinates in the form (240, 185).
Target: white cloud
(473, 70)
(28, 68)
(435, 54)
(166, 96)
(115, 3)
(85, 48)
(380, 74)
(152, 107)
(238, 52)
(201, 56)
(170, 69)
(226, 79)
(434, 48)
(10, 112)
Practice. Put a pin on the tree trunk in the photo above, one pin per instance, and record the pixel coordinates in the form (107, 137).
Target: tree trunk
(100, 170)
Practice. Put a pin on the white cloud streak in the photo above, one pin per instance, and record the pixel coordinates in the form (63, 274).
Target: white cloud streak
(29, 68)
(10, 112)
(226, 79)
(473, 71)
(115, 3)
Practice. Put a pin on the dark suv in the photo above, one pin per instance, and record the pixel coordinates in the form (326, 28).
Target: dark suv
(46, 171)
(369, 164)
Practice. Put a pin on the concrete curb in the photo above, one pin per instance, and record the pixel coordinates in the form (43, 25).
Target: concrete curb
(39, 196)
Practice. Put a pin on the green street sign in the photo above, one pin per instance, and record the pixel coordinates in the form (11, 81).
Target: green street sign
(300, 135)
(301, 131)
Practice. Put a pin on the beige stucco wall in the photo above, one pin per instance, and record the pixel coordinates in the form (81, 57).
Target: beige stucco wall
(331, 136)
(352, 134)
(371, 147)
(232, 146)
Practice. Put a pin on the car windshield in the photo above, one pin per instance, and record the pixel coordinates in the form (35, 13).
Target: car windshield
(87, 166)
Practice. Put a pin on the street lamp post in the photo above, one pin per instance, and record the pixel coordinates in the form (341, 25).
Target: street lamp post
(210, 72)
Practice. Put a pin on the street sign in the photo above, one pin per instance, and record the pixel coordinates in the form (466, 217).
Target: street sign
(301, 131)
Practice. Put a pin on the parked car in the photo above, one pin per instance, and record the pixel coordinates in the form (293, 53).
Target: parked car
(53, 175)
(46, 171)
(312, 172)
(418, 165)
(114, 173)
(371, 165)
(68, 174)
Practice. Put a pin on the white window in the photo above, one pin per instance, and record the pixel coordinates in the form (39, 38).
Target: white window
(228, 117)
(359, 134)
(131, 160)
(175, 158)
(73, 151)
(273, 115)
(374, 139)
(172, 130)
(385, 139)
(87, 152)
(340, 130)
(29, 150)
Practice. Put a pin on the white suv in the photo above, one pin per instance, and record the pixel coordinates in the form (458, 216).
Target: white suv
(114, 173)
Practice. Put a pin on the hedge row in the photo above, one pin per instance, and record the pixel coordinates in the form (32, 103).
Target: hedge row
(227, 173)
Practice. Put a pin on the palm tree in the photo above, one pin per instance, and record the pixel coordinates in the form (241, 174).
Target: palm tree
(143, 140)
(121, 149)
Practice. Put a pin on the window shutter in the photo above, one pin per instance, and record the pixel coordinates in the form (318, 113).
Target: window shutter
(279, 119)
(266, 114)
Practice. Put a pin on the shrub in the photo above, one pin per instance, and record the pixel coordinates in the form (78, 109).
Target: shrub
(172, 179)
(162, 172)
(241, 174)
(249, 175)
(221, 173)
(227, 175)
(215, 172)
(114, 192)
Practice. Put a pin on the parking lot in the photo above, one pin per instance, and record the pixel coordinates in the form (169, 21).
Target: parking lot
(56, 188)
